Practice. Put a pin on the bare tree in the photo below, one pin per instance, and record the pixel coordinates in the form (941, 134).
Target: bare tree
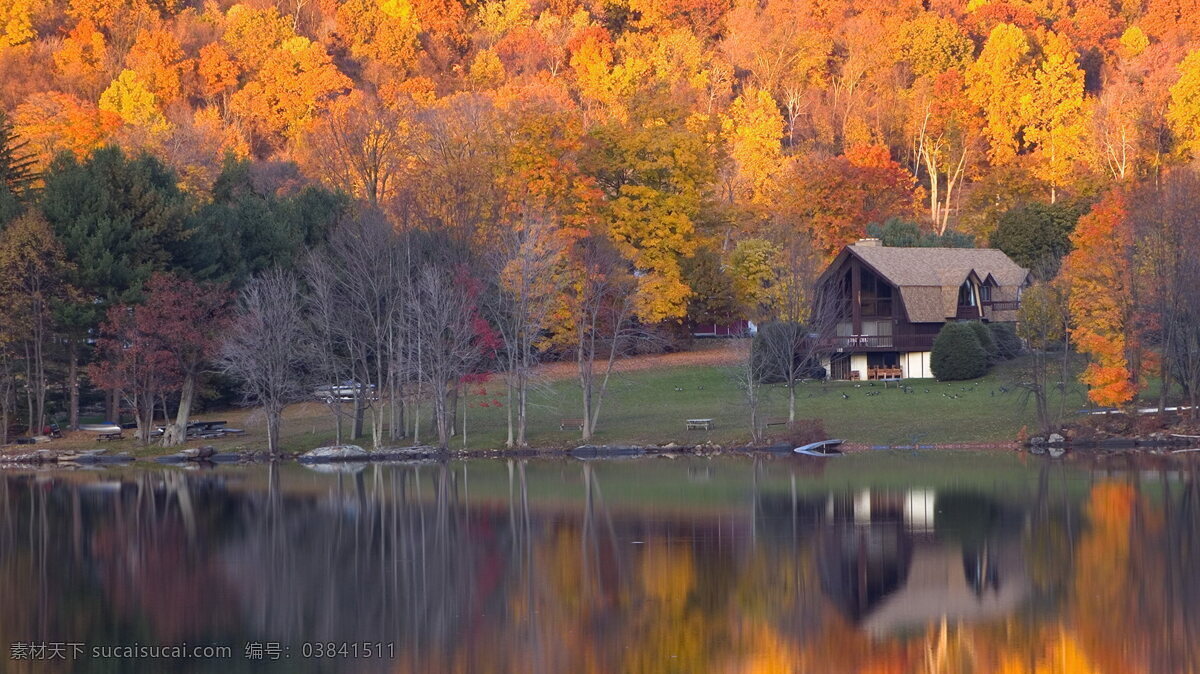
(789, 350)
(1044, 324)
(328, 355)
(749, 376)
(356, 301)
(264, 348)
(601, 297)
(7, 386)
(445, 313)
(528, 283)
(1164, 222)
(803, 312)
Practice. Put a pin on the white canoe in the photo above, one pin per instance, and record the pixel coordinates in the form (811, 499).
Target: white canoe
(820, 448)
(100, 428)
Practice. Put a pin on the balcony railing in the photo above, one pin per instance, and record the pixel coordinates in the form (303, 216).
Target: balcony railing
(897, 342)
(1003, 305)
(967, 311)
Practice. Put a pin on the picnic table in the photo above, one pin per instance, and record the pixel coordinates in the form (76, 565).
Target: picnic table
(570, 425)
(699, 424)
(105, 437)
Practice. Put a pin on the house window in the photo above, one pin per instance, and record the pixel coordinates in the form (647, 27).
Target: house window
(876, 296)
(966, 296)
(985, 292)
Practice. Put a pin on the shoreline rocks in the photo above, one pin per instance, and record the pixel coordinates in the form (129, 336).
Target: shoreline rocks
(337, 453)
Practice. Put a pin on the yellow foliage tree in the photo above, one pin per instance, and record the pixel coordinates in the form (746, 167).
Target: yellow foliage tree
(382, 30)
(753, 130)
(999, 81)
(1053, 107)
(130, 99)
(487, 72)
(16, 22)
(253, 34)
(1133, 42)
(1184, 110)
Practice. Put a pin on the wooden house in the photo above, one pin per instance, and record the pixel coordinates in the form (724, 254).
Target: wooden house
(891, 302)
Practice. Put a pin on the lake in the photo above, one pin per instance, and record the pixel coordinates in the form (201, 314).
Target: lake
(875, 562)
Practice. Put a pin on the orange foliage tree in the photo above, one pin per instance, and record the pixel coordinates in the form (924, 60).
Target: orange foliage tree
(55, 122)
(1100, 273)
(296, 82)
(837, 198)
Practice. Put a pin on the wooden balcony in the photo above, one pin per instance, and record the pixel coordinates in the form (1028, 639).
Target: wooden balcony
(1003, 305)
(966, 312)
(863, 343)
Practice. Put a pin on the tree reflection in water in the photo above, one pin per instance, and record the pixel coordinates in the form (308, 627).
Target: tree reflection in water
(584, 567)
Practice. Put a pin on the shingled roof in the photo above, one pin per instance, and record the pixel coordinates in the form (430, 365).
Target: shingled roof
(929, 278)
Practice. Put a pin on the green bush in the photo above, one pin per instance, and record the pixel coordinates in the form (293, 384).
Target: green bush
(985, 340)
(1036, 235)
(957, 353)
(1008, 344)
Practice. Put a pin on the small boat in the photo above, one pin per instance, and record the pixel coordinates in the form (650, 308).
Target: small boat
(821, 448)
(100, 428)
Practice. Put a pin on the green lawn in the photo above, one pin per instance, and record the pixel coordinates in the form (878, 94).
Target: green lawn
(644, 407)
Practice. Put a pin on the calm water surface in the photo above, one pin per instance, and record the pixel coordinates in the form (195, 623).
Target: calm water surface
(952, 562)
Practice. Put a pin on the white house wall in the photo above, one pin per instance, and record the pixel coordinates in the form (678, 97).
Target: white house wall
(915, 364)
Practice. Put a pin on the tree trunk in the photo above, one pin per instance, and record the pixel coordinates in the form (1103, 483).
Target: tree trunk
(39, 348)
(73, 386)
(143, 416)
(441, 418)
(274, 419)
(791, 401)
(29, 413)
(522, 418)
(176, 433)
(508, 415)
(110, 407)
(359, 408)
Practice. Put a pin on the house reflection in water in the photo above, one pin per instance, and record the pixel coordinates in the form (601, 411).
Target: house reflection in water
(894, 562)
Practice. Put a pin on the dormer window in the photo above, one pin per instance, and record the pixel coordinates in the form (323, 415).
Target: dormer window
(966, 294)
(985, 292)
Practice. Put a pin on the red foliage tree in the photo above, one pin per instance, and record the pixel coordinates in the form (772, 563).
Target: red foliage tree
(838, 197)
(160, 347)
(135, 364)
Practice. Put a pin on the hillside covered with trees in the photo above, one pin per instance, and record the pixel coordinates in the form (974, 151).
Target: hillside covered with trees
(555, 175)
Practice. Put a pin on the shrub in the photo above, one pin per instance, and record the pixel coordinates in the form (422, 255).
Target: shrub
(801, 432)
(1008, 344)
(984, 335)
(957, 353)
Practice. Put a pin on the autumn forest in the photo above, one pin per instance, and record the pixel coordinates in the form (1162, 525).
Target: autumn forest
(566, 174)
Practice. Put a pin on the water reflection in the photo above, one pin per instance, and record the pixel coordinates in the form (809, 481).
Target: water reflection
(650, 566)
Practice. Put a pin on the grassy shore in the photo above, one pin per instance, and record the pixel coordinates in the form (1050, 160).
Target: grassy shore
(649, 399)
